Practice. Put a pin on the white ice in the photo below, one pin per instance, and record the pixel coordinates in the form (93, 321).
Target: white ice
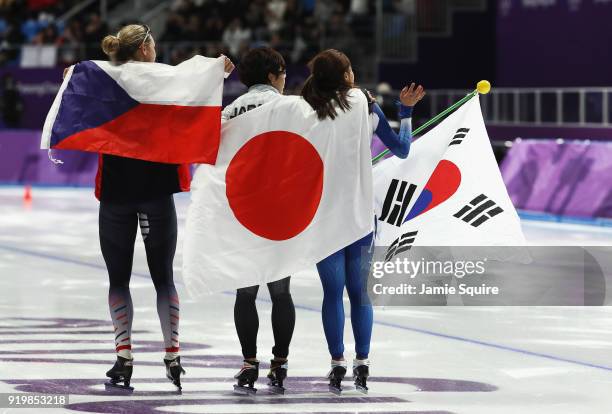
(472, 360)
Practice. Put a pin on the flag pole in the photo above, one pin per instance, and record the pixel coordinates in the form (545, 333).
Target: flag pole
(483, 87)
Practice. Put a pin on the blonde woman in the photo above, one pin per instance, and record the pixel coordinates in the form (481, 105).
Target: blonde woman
(134, 192)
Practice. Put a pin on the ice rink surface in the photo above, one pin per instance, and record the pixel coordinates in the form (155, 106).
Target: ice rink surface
(56, 335)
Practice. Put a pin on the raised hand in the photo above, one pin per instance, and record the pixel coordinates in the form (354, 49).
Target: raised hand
(228, 65)
(410, 96)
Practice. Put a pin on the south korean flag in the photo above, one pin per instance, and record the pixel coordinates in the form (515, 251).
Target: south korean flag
(448, 192)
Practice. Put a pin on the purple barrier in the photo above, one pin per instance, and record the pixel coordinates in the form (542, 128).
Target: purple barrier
(529, 55)
(571, 178)
(22, 162)
(377, 146)
(509, 132)
(37, 88)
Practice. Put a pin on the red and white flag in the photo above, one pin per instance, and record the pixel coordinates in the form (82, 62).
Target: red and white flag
(148, 111)
(287, 191)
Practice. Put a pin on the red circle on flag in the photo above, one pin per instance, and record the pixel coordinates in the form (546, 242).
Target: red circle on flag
(274, 184)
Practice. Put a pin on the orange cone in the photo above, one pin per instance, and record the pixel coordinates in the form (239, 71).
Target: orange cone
(27, 196)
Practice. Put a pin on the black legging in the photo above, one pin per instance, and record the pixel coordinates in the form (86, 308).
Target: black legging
(247, 320)
(118, 226)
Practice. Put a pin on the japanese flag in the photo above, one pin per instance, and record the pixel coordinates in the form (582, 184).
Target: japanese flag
(287, 191)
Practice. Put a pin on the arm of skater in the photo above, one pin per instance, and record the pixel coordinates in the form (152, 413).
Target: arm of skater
(398, 144)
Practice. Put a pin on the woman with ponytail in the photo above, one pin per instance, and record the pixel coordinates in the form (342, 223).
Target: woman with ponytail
(329, 90)
(134, 192)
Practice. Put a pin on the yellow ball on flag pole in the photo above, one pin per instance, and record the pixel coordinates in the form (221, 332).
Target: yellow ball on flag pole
(483, 87)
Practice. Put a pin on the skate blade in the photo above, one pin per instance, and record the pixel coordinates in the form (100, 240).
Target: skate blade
(275, 389)
(174, 382)
(244, 390)
(117, 387)
(334, 390)
(361, 389)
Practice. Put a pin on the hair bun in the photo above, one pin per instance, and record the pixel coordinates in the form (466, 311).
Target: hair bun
(110, 45)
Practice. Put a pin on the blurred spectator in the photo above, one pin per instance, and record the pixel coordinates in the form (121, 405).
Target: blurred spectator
(30, 27)
(297, 28)
(95, 30)
(47, 36)
(255, 19)
(386, 100)
(74, 32)
(275, 14)
(359, 7)
(235, 35)
(174, 28)
(182, 7)
(213, 29)
(308, 6)
(12, 39)
(193, 28)
(323, 11)
(70, 42)
(340, 32)
(11, 106)
(293, 13)
(300, 45)
(404, 6)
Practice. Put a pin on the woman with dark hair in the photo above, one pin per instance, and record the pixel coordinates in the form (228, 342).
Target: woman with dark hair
(329, 90)
(135, 192)
(262, 70)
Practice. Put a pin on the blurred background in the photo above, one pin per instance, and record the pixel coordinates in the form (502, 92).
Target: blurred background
(549, 113)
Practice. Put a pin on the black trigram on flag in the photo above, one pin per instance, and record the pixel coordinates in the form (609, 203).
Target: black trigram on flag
(401, 244)
(396, 202)
(478, 211)
(459, 135)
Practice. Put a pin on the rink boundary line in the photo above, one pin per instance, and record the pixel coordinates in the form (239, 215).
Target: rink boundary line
(311, 309)
(462, 339)
(543, 217)
(496, 346)
(61, 259)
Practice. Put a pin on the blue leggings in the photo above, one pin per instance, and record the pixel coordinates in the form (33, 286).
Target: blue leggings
(347, 267)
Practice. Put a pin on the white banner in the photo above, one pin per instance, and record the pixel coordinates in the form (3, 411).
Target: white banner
(287, 191)
(448, 192)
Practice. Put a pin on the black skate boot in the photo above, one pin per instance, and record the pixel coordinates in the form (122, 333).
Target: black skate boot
(361, 372)
(277, 374)
(336, 375)
(174, 370)
(120, 372)
(246, 377)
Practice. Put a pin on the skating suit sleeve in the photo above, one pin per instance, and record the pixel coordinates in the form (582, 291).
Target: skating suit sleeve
(398, 144)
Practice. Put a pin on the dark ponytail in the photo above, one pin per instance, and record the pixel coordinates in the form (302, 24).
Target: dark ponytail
(326, 84)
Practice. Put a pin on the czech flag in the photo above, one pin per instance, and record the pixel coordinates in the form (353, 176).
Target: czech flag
(147, 111)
